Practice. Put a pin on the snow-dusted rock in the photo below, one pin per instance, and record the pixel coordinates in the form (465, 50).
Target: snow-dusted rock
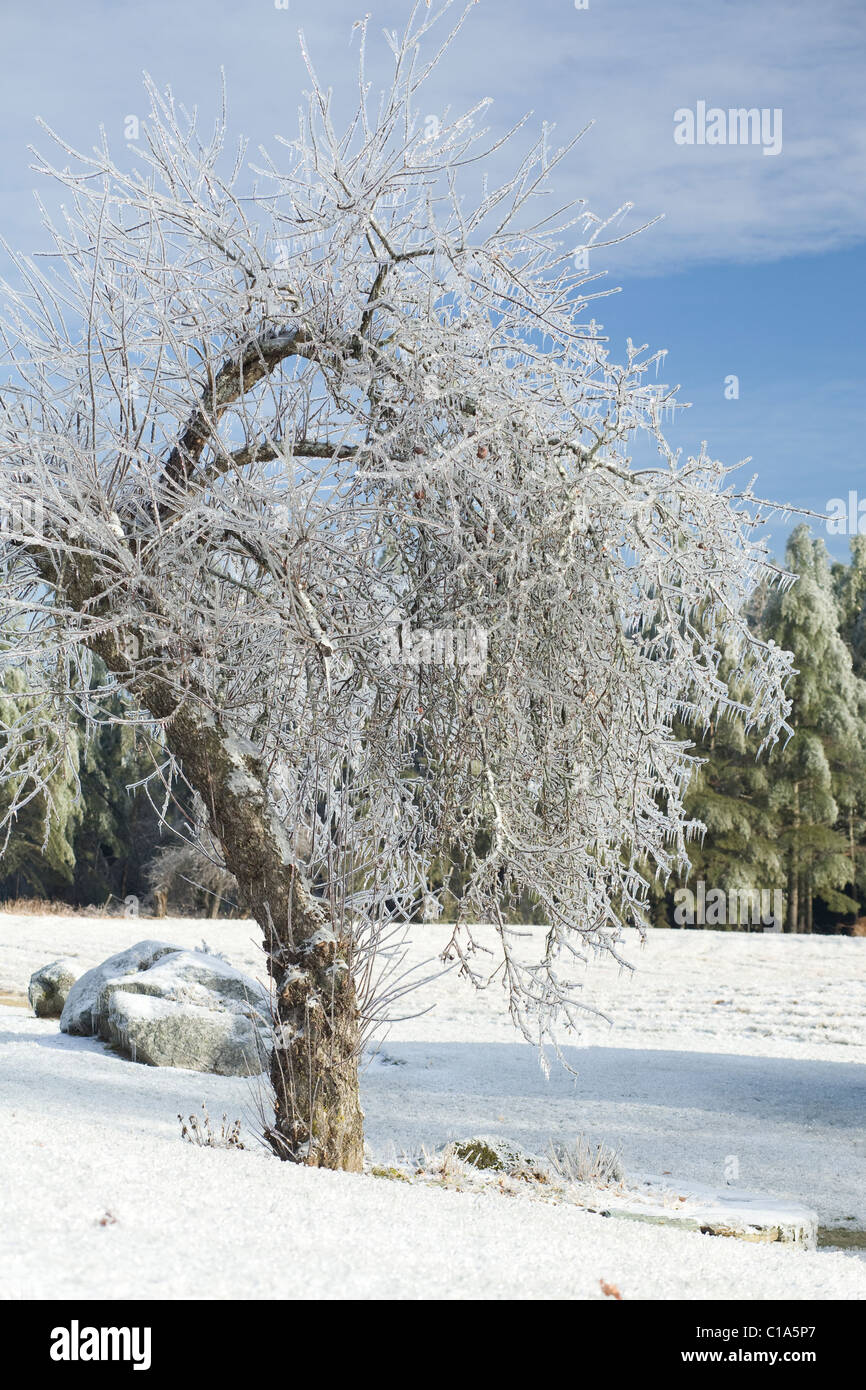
(174, 1008)
(86, 1001)
(49, 986)
(172, 1033)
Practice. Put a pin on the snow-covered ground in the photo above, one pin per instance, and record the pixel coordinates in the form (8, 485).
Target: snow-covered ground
(724, 1046)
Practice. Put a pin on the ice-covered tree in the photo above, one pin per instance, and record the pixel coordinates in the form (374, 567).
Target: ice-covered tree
(336, 477)
(121, 822)
(730, 796)
(850, 589)
(40, 780)
(817, 776)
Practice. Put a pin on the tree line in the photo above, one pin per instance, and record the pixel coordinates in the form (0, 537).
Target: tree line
(792, 822)
(94, 834)
(785, 828)
(787, 821)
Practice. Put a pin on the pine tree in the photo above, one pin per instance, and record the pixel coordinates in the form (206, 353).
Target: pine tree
(120, 829)
(816, 777)
(37, 859)
(850, 588)
(103, 830)
(729, 794)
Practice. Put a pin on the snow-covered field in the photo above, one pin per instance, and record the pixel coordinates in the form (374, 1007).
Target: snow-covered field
(724, 1047)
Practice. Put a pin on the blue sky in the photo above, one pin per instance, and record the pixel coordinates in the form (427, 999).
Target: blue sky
(758, 266)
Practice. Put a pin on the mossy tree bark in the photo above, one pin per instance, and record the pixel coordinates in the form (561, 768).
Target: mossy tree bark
(314, 1067)
(318, 1118)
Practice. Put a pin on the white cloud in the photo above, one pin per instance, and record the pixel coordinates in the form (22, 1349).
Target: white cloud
(627, 63)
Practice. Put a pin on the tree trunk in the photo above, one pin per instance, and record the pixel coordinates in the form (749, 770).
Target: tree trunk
(318, 1118)
(794, 868)
(793, 899)
(314, 1069)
